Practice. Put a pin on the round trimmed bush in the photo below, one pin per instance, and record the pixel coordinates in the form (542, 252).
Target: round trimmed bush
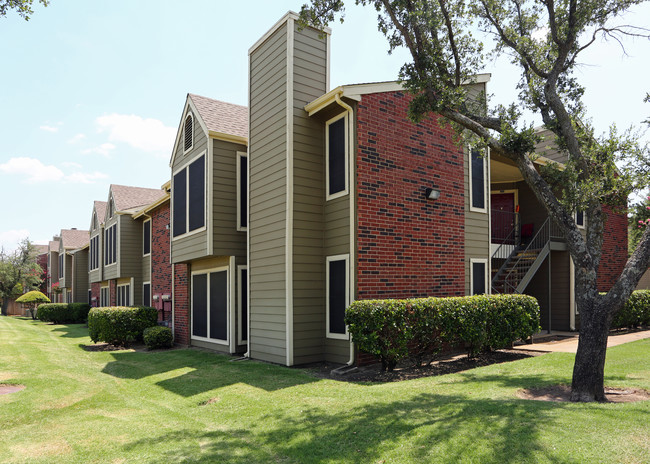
(158, 337)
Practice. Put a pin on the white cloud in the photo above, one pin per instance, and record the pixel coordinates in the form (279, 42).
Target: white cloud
(9, 239)
(49, 128)
(149, 135)
(32, 169)
(71, 164)
(104, 149)
(85, 177)
(76, 139)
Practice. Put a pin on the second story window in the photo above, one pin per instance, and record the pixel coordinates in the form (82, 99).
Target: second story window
(477, 181)
(93, 253)
(336, 143)
(580, 219)
(110, 245)
(188, 192)
(60, 266)
(146, 237)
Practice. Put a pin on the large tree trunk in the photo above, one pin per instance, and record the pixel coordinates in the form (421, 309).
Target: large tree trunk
(5, 306)
(589, 367)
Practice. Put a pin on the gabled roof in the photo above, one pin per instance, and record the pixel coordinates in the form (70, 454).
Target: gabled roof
(130, 199)
(222, 117)
(54, 245)
(40, 249)
(100, 209)
(73, 238)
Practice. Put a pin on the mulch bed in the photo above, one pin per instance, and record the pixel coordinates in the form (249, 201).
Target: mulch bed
(450, 364)
(139, 347)
(5, 389)
(562, 393)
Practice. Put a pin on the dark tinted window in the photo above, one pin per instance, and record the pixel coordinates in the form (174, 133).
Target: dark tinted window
(146, 237)
(244, 304)
(146, 294)
(200, 305)
(196, 203)
(580, 218)
(336, 155)
(218, 305)
(478, 277)
(337, 286)
(478, 180)
(179, 210)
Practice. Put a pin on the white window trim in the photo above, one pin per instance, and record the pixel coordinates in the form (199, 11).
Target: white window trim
(117, 294)
(108, 291)
(191, 116)
(328, 260)
(240, 228)
(485, 183)
(99, 255)
(488, 289)
(143, 223)
(143, 284)
(240, 299)
(186, 165)
(346, 142)
(584, 220)
(207, 339)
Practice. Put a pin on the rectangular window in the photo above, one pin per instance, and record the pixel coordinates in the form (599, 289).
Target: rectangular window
(146, 237)
(478, 276)
(110, 245)
(93, 253)
(337, 156)
(338, 295)
(124, 295)
(242, 305)
(242, 191)
(580, 219)
(189, 198)
(477, 178)
(146, 294)
(61, 267)
(90, 297)
(104, 296)
(210, 303)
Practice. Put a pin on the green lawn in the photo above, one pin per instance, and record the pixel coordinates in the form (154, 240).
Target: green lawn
(194, 406)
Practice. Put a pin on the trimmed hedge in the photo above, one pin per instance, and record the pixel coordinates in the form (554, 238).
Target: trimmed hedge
(635, 313)
(418, 328)
(63, 313)
(158, 337)
(119, 325)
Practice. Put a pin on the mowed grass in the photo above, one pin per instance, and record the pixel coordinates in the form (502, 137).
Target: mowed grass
(195, 406)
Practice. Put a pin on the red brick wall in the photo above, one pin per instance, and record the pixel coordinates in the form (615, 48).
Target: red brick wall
(112, 285)
(95, 293)
(161, 268)
(614, 254)
(407, 245)
(181, 305)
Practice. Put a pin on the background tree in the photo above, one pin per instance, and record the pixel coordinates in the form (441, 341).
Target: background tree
(544, 38)
(639, 220)
(18, 271)
(32, 300)
(22, 7)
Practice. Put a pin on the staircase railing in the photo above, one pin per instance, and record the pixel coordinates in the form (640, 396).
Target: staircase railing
(526, 257)
(505, 227)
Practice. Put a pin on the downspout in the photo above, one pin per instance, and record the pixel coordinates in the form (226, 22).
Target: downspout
(350, 112)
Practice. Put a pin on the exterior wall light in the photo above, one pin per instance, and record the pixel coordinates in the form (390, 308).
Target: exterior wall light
(432, 194)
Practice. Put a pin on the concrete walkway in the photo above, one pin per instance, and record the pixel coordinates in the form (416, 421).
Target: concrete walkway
(570, 344)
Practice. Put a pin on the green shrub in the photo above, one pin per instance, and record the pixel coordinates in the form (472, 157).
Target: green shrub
(32, 300)
(393, 329)
(63, 313)
(119, 325)
(158, 337)
(635, 313)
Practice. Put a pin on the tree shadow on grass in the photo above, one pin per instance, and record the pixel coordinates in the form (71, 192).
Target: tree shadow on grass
(72, 330)
(426, 428)
(202, 371)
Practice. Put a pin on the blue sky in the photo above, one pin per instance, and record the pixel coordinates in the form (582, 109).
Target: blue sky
(91, 92)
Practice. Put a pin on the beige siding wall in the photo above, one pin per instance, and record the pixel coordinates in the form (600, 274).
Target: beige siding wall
(227, 240)
(310, 71)
(548, 148)
(560, 291)
(67, 269)
(96, 275)
(111, 271)
(477, 227)
(268, 184)
(193, 246)
(54, 266)
(644, 283)
(80, 283)
(130, 253)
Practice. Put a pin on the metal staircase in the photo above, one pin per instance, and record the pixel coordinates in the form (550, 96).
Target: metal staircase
(517, 263)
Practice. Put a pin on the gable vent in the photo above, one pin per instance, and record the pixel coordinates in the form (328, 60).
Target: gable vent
(189, 126)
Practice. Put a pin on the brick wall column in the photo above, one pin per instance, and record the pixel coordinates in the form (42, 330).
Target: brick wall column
(112, 284)
(181, 304)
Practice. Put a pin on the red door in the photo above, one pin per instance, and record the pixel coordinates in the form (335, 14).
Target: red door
(503, 216)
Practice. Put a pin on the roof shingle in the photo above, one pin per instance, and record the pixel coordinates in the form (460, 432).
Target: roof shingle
(129, 198)
(73, 238)
(223, 117)
(100, 209)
